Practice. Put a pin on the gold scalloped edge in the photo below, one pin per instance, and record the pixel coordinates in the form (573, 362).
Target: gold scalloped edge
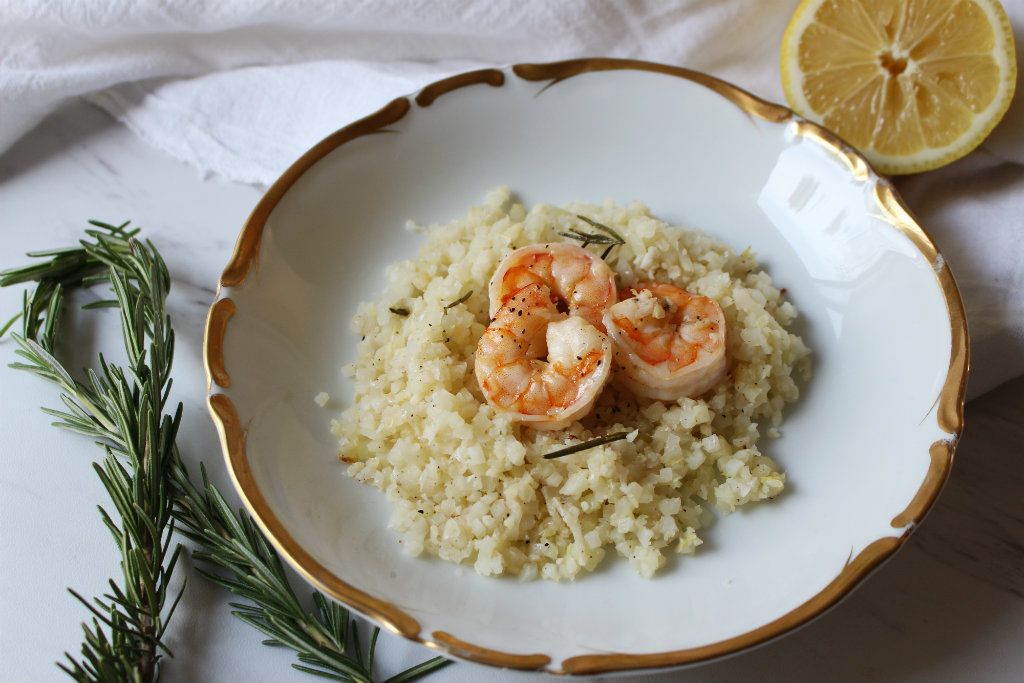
(213, 341)
(941, 454)
(483, 655)
(492, 77)
(950, 405)
(949, 402)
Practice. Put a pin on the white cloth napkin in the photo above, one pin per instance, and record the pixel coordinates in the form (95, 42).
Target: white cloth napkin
(241, 88)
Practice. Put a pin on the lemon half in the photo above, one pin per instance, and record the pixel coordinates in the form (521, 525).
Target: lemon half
(912, 84)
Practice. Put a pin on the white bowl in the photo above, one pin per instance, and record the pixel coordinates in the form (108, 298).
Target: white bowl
(866, 449)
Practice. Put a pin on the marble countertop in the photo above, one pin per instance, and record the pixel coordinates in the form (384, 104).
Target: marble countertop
(949, 606)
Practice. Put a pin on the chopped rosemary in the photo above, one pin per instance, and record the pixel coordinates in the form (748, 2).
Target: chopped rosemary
(398, 310)
(587, 445)
(603, 228)
(611, 237)
(588, 238)
(461, 300)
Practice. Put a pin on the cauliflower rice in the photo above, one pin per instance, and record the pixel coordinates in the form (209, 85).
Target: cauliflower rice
(469, 486)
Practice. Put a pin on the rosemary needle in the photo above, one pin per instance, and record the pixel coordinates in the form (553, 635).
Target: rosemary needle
(603, 228)
(398, 310)
(587, 445)
(611, 237)
(461, 300)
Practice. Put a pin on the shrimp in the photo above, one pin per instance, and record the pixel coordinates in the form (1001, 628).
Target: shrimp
(543, 366)
(582, 283)
(669, 343)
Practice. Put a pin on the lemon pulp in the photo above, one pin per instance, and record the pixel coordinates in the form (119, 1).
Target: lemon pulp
(913, 84)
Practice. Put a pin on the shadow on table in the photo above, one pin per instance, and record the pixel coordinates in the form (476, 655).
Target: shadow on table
(68, 128)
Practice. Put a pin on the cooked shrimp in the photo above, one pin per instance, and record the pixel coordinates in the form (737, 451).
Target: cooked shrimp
(543, 366)
(582, 283)
(669, 343)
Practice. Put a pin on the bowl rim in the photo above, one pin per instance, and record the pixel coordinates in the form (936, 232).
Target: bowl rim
(949, 404)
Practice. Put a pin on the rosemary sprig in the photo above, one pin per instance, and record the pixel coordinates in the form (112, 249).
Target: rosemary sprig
(587, 445)
(610, 237)
(461, 300)
(150, 485)
(126, 407)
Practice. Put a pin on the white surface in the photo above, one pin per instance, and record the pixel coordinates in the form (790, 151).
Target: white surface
(948, 607)
(240, 89)
(872, 312)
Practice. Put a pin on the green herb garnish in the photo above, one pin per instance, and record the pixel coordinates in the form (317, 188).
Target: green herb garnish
(398, 310)
(587, 445)
(461, 300)
(611, 237)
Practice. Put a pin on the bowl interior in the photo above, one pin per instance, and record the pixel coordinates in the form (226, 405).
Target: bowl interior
(855, 447)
